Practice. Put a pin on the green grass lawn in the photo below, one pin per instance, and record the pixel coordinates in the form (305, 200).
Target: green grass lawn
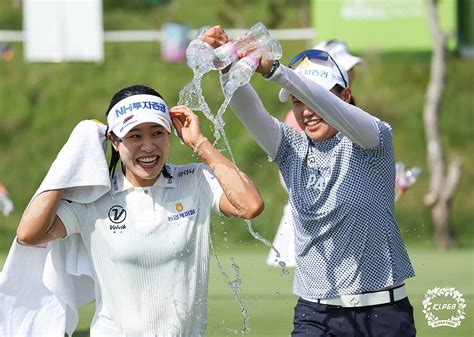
(267, 295)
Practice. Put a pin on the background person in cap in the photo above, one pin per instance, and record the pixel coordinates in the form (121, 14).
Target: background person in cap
(148, 237)
(341, 54)
(340, 173)
(284, 240)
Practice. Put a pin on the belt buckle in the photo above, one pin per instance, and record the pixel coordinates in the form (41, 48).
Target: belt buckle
(354, 301)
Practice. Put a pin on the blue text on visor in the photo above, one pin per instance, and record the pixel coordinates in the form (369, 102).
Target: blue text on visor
(319, 55)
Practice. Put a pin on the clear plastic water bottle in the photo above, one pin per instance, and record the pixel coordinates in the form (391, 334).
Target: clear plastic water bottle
(200, 54)
(256, 36)
(242, 71)
(271, 51)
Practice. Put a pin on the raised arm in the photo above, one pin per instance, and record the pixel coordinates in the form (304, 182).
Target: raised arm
(241, 197)
(355, 123)
(263, 127)
(39, 223)
(247, 105)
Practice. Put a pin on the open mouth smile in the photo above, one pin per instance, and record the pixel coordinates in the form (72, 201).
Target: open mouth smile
(148, 162)
(313, 122)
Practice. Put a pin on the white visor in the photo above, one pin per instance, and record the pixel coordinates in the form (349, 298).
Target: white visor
(135, 110)
(325, 73)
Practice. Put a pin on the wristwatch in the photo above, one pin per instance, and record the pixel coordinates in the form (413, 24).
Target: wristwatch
(272, 70)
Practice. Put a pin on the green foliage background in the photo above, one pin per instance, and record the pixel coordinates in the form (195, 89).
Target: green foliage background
(40, 103)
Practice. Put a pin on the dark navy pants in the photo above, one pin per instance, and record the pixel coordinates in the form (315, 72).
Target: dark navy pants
(385, 320)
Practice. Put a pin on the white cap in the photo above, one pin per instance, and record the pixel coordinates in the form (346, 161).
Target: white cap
(339, 50)
(135, 110)
(323, 72)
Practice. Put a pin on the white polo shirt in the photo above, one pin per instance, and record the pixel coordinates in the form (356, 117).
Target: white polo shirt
(150, 252)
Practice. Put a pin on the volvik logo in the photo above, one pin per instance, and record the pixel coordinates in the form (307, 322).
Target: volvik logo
(117, 214)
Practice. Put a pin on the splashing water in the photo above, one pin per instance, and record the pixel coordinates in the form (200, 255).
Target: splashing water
(267, 243)
(199, 56)
(234, 286)
(191, 95)
(219, 124)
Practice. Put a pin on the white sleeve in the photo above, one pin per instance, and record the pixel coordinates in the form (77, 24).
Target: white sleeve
(215, 187)
(68, 216)
(264, 128)
(353, 122)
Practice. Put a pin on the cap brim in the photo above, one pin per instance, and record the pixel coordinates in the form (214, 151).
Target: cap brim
(284, 95)
(121, 131)
(349, 61)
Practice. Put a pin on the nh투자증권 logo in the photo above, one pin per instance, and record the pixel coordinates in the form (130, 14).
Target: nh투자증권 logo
(447, 301)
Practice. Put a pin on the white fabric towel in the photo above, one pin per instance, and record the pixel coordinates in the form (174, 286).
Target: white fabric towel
(80, 164)
(42, 288)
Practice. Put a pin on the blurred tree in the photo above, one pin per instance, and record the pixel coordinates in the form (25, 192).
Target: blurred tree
(443, 185)
(231, 12)
(156, 2)
(136, 5)
(304, 10)
(227, 12)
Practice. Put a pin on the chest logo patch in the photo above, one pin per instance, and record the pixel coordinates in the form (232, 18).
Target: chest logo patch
(184, 209)
(179, 206)
(117, 214)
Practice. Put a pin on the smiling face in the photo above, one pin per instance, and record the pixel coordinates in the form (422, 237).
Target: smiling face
(311, 123)
(143, 151)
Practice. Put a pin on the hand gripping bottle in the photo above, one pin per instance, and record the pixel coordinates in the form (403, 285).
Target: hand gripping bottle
(242, 71)
(200, 54)
(255, 37)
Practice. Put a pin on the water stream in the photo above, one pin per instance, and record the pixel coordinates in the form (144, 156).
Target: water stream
(192, 96)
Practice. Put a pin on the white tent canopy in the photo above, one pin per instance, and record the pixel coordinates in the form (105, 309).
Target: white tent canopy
(63, 30)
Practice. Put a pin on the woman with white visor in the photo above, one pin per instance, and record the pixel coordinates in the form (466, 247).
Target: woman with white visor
(284, 241)
(351, 262)
(148, 237)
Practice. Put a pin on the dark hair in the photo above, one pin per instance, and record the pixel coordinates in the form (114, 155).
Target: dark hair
(132, 90)
(339, 89)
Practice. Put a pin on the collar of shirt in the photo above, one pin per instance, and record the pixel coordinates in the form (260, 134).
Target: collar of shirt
(120, 183)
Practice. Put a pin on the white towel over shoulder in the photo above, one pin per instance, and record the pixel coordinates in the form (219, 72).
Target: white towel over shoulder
(42, 288)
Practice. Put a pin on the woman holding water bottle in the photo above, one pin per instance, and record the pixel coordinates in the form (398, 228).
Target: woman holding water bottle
(284, 241)
(351, 262)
